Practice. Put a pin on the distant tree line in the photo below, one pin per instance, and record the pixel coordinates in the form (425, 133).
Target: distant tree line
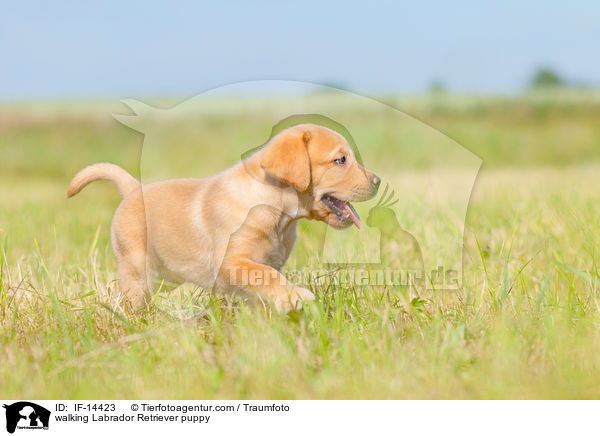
(542, 78)
(546, 77)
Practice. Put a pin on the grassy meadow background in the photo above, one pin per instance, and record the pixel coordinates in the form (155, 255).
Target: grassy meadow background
(526, 323)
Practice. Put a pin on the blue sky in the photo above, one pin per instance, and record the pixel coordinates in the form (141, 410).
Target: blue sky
(79, 49)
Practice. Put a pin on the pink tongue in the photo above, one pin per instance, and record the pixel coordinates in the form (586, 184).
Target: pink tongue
(353, 215)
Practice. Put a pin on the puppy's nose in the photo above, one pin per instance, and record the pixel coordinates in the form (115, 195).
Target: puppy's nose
(376, 181)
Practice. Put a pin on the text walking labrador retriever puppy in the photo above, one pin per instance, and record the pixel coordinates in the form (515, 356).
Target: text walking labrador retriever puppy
(235, 230)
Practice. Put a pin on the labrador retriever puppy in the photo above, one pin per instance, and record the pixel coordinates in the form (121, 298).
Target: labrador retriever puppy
(233, 231)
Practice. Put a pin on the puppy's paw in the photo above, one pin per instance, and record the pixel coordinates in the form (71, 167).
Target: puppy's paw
(300, 295)
(293, 300)
(132, 302)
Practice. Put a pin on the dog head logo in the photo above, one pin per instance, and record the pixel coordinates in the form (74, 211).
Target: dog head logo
(26, 415)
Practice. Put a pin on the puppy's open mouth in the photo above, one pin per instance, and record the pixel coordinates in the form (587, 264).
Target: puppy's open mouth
(342, 209)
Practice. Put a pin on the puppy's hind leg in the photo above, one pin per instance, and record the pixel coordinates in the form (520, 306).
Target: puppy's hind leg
(129, 246)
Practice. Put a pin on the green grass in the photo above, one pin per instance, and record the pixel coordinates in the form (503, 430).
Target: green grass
(525, 323)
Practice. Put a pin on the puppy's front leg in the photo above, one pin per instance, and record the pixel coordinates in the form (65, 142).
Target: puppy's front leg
(241, 274)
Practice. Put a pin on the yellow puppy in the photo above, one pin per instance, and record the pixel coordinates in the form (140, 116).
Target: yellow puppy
(233, 231)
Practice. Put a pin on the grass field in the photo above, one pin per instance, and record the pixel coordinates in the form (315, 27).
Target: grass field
(525, 323)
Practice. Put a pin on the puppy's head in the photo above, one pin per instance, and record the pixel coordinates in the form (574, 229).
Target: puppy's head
(320, 164)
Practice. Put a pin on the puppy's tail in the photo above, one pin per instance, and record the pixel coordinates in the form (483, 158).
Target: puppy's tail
(124, 181)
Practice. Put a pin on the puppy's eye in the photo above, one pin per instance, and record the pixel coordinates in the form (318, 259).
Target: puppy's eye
(340, 161)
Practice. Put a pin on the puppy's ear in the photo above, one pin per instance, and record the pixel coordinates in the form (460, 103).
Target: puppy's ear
(286, 158)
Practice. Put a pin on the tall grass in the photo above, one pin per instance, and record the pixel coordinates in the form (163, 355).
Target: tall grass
(524, 324)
